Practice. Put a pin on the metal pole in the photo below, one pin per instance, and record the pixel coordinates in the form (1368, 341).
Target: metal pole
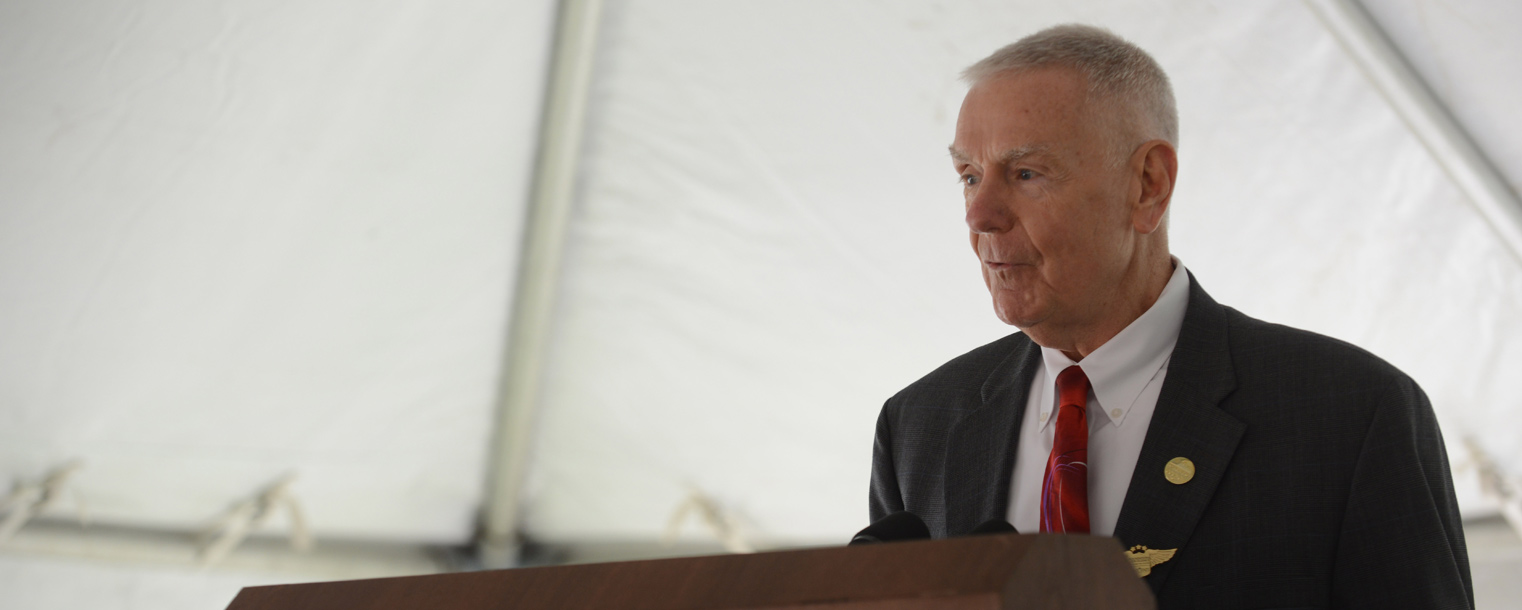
(538, 273)
(1426, 117)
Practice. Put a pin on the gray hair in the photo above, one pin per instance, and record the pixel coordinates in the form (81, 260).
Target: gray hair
(1119, 73)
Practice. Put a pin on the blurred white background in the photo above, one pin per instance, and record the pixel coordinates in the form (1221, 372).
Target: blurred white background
(250, 242)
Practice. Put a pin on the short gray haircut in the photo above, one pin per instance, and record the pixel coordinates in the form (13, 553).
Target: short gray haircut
(1119, 74)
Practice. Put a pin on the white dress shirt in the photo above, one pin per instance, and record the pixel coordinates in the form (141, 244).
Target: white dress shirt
(1125, 376)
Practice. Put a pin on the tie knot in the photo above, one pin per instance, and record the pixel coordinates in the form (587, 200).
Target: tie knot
(1072, 387)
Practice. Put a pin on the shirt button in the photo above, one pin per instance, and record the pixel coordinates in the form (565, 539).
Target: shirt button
(1115, 413)
(1043, 416)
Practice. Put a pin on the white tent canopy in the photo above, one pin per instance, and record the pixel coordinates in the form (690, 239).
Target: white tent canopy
(769, 241)
(240, 240)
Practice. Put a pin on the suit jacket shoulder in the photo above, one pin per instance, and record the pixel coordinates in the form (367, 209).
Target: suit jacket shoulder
(1267, 353)
(964, 374)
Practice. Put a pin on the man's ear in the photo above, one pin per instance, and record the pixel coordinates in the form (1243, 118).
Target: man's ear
(1155, 173)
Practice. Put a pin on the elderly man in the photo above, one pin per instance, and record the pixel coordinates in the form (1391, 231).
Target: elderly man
(1272, 467)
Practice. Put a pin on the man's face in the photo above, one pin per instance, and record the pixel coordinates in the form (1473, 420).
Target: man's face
(1046, 205)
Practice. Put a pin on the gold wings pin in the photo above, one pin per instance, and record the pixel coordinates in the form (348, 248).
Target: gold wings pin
(1143, 558)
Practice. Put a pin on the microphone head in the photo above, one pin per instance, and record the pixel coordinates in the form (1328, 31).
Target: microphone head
(994, 526)
(902, 525)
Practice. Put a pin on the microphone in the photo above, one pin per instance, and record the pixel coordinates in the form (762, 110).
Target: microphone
(902, 525)
(994, 526)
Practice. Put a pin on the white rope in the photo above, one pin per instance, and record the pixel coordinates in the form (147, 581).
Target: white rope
(28, 500)
(720, 522)
(243, 518)
(1506, 491)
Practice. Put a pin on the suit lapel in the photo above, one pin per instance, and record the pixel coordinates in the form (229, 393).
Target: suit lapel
(980, 455)
(1187, 423)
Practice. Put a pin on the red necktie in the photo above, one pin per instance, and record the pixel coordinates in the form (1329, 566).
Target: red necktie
(1065, 489)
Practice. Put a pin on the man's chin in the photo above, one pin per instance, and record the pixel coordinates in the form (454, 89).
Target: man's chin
(1017, 317)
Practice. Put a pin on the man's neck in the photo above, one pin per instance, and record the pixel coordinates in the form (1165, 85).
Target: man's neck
(1135, 295)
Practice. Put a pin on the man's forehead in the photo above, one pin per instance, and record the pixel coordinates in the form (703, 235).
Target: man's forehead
(1020, 114)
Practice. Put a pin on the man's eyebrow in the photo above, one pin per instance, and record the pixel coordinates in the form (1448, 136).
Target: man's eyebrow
(1015, 154)
(1009, 156)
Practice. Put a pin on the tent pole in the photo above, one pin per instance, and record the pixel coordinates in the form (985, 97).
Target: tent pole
(547, 216)
(1425, 116)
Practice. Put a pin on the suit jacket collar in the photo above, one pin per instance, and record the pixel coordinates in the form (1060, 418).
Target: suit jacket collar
(1187, 423)
(980, 453)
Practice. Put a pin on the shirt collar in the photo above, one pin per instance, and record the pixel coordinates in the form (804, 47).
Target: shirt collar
(1122, 367)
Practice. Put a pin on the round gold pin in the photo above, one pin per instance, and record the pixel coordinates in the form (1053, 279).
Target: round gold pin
(1179, 470)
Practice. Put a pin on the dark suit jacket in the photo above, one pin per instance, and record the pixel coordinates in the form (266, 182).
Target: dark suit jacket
(1321, 479)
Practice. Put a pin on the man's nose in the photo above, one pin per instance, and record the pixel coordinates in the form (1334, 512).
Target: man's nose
(988, 210)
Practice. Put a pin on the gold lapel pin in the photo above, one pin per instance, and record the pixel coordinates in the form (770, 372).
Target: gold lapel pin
(1143, 558)
(1179, 470)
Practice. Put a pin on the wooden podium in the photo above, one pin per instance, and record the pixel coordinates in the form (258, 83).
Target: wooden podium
(991, 571)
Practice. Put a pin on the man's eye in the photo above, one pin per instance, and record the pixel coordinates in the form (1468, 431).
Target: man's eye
(1026, 174)
(969, 179)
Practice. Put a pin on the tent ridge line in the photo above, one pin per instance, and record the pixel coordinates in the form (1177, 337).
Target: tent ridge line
(1409, 95)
